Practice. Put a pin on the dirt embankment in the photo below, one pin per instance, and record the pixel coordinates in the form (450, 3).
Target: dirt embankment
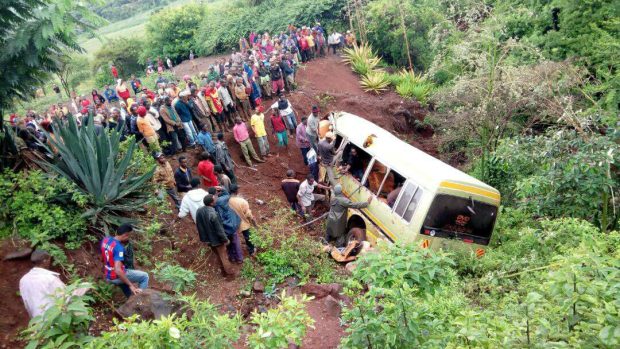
(326, 82)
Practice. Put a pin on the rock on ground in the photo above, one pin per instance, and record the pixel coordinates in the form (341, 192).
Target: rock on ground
(149, 304)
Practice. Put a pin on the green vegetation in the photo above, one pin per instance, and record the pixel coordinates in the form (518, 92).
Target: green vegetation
(223, 26)
(64, 324)
(279, 327)
(42, 209)
(546, 286)
(92, 162)
(180, 278)
(171, 32)
(115, 10)
(204, 328)
(283, 254)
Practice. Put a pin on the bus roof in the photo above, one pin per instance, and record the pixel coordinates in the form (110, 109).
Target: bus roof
(404, 158)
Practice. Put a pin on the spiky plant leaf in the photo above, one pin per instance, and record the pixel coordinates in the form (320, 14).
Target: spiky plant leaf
(93, 162)
(375, 81)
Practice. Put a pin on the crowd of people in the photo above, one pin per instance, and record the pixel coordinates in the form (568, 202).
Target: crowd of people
(196, 113)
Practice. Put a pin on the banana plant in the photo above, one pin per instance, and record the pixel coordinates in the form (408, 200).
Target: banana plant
(92, 160)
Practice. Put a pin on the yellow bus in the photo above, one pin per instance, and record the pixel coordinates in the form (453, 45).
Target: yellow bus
(417, 198)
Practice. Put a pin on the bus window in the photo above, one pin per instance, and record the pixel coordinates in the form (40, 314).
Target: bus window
(338, 141)
(390, 188)
(405, 198)
(413, 205)
(355, 161)
(377, 175)
(460, 218)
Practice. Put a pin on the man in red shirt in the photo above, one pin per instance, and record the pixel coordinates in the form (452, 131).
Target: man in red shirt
(114, 71)
(206, 170)
(279, 129)
(242, 136)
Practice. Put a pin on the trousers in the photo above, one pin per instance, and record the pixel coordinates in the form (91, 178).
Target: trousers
(135, 276)
(263, 145)
(222, 260)
(248, 149)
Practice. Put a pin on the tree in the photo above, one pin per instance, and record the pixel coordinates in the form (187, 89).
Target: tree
(34, 35)
(73, 69)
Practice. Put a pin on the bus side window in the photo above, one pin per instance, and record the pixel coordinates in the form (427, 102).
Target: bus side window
(355, 161)
(408, 201)
(413, 205)
(376, 177)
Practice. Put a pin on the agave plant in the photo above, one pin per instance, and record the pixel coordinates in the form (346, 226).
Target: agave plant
(91, 160)
(361, 58)
(375, 81)
(418, 90)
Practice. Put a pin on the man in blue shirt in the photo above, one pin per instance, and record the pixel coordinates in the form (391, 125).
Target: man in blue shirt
(113, 254)
(185, 113)
(110, 94)
(206, 140)
(230, 221)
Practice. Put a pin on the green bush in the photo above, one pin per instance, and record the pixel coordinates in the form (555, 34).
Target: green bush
(277, 328)
(205, 328)
(124, 54)
(64, 324)
(180, 278)
(560, 173)
(42, 209)
(172, 31)
(280, 256)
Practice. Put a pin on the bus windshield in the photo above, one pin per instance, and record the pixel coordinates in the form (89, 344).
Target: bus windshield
(460, 218)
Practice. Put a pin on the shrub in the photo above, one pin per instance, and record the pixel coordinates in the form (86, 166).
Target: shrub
(64, 324)
(277, 328)
(280, 256)
(375, 81)
(401, 294)
(92, 162)
(557, 174)
(123, 53)
(180, 278)
(171, 31)
(205, 328)
(361, 58)
(42, 209)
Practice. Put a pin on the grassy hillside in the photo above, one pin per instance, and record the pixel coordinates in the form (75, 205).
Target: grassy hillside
(132, 27)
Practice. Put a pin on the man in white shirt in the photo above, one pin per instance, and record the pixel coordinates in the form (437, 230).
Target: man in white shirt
(39, 285)
(193, 200)
(306, 195)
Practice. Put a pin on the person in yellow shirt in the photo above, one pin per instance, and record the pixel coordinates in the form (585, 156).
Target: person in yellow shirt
(310, 40)
(144, 126)
(258, 126)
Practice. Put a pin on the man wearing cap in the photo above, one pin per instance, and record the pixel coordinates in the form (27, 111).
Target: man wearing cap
(231, 222)
(40, 284)
(327, 153)
(185, 113)
(312, 127)
(131, 281)
(211, 231)
(337, 216)
(242, 136)
(164, 177)
(144, 126)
